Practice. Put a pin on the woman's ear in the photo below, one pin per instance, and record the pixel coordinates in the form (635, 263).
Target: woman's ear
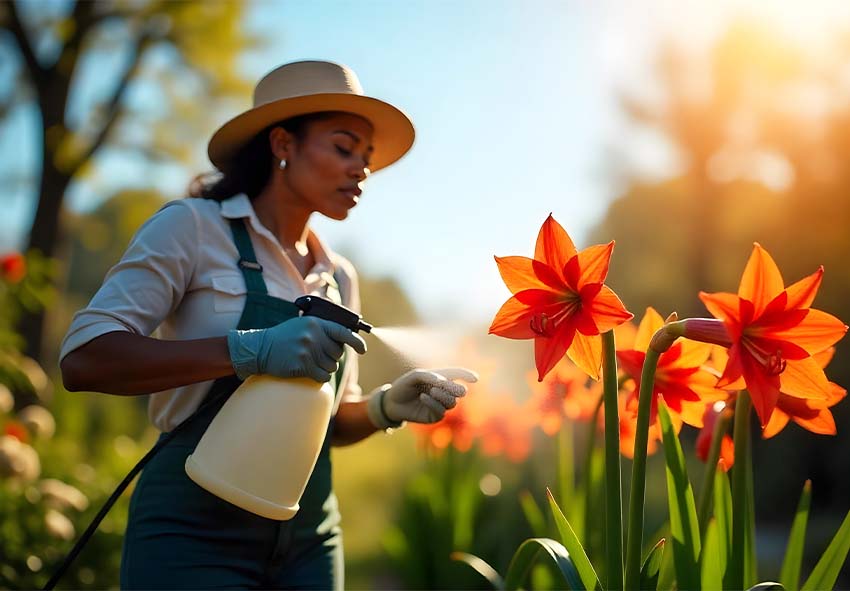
(280, 143)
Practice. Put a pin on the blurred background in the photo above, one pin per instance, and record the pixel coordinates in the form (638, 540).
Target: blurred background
(685, 131)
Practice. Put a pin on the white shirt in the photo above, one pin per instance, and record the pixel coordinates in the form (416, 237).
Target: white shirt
(179, 275)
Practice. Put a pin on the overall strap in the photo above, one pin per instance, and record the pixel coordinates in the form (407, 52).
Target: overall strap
(251, 269)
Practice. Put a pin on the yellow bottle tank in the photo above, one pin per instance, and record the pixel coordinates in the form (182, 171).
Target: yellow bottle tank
(261, 447)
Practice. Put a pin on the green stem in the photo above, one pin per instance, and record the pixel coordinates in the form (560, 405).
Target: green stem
(706, 492)
(735, 568)
(613, 486)
(634, 544)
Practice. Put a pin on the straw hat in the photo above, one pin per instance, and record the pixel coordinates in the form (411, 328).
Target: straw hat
(305, 87)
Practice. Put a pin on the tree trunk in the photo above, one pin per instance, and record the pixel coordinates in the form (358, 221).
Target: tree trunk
(44, 237)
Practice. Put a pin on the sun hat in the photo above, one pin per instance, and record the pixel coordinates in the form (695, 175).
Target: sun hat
(304, 87)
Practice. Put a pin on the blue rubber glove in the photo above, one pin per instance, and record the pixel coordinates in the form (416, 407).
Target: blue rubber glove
(300, 347)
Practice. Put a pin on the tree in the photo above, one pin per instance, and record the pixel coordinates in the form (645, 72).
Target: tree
(179, 53)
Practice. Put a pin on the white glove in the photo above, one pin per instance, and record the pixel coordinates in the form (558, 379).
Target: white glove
(420, 395)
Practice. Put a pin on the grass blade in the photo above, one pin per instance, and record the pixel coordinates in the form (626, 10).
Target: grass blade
(684, 528)
(789, 576)
(526, 555)
(574, 547)
(651, 568)
(826, 570)
(481, 567)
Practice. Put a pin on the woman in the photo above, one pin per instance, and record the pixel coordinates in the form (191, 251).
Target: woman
(217, 276)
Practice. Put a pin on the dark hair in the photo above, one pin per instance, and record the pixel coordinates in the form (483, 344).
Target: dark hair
(249, 170)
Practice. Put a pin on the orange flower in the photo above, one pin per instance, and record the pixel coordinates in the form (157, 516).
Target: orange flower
(454, 429)
(813, 415)
(13, 267)
(706, 434)
(774, 332)
(563, 393)
(680, 378)
(559, 300)
(505, 429)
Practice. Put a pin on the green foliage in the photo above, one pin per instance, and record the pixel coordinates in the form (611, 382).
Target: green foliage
(790, 574)
(826, 570)
(574, 547)
(684, 528)
(527, 554)
(650, 570)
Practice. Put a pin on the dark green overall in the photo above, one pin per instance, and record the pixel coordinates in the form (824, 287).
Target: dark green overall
(179, 536)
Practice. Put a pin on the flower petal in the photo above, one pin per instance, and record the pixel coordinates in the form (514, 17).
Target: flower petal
(554, 246)
(586, 352)
(589, 266)
(521, 273)
(802, 293)
(763, 387)
(816, 332)
(513, 320)
(761, 281)
(649, 324)
(777, 422)
(607, 310)
(548, 351)
(804, 378)
(822, 423)
(725, 306)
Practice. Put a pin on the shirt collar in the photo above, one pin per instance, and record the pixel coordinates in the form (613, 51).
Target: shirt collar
(239, 206)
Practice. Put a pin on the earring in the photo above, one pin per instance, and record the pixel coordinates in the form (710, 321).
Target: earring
(282, 165)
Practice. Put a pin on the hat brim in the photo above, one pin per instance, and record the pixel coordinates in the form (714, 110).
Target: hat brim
(392, 138)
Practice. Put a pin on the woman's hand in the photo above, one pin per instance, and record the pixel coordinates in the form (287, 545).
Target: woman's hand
(420, 396)
(300, 347)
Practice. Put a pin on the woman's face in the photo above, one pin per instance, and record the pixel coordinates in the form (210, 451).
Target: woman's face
(325, 169)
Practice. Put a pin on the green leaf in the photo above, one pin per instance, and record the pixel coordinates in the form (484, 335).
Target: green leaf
(790, 574)
(651, 568)
(723, 516)
(533, 514)
(713, 566)
(827, 569)
(481, 567)
(526, 555)
(767, 586)
(573, 546)
(684, 528)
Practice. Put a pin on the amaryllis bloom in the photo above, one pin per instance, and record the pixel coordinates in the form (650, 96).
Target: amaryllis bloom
(773, 333)
(455, 429)
(505, 430)
(13, 267)
(562, 394)
(559, 300)
(813, 415)
(681, 377)
(706, 435)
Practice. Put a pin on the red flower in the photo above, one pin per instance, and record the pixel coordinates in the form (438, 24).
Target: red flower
(706, 434)
(773, 334)
(13, 267)
(813, 415)
(559, 300)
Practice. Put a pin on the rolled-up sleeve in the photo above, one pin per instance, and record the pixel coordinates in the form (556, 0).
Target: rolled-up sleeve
(148, 282)
(349, 288)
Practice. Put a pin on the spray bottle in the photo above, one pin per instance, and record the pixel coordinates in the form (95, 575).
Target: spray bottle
(261, 447)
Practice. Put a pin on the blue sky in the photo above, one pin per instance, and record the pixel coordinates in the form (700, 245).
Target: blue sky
(517, 115)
